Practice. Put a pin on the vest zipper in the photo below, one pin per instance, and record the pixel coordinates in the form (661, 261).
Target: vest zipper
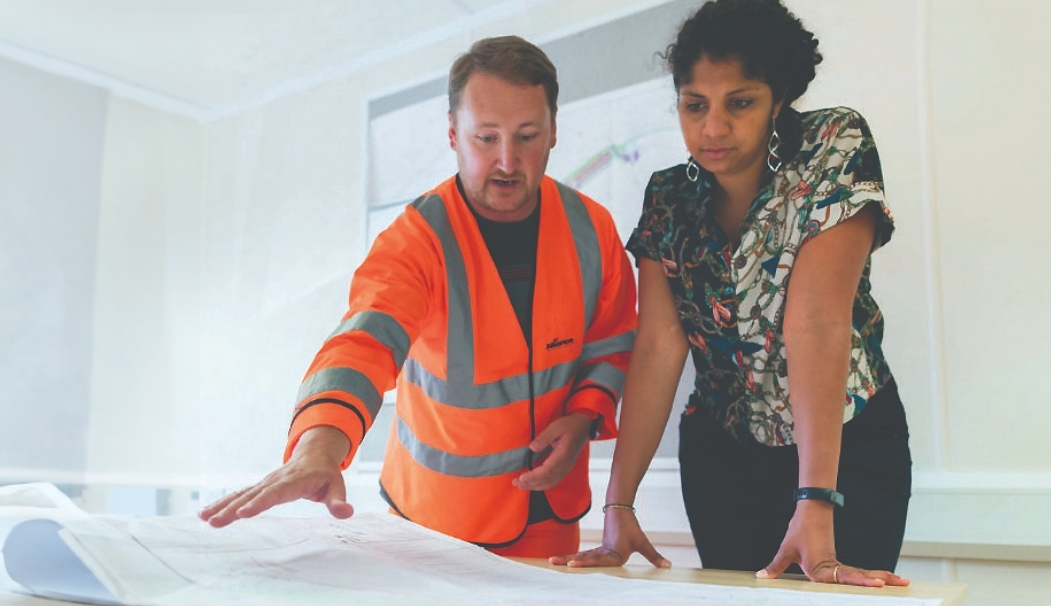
(532, 405)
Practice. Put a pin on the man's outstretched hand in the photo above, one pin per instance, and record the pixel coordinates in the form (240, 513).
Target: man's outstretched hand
(311, 473)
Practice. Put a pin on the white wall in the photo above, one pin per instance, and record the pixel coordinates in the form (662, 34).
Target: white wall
(145, 387)
(225, 250)
(282, 236)
(988, 64)
(51, 138)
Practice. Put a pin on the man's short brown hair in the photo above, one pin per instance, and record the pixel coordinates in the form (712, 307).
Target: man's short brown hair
(509, 58)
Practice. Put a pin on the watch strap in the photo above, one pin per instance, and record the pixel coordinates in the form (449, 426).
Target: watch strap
(809, 493)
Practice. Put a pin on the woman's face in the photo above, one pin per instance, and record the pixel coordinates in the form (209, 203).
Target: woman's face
(725, 119)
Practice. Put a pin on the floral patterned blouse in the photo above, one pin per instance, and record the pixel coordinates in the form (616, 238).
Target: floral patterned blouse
(731, 302)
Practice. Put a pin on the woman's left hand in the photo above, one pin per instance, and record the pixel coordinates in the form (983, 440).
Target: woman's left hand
(810, 543)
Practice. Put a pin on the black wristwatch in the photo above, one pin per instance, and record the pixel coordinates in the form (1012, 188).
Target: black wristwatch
(819, 494)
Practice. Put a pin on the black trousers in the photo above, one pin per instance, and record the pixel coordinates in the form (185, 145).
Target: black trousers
(740, 497)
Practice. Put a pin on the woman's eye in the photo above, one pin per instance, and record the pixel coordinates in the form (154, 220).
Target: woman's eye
(740, 103)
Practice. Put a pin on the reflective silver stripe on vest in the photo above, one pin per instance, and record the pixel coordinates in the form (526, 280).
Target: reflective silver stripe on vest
(488, 395)
(383, 328)
(459, 367)
(459, 389)
(588, 253)
(480, 466)
(604, 374)
(621, 343)
(342, 379)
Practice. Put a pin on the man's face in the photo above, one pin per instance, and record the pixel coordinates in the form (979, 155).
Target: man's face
(502, 134)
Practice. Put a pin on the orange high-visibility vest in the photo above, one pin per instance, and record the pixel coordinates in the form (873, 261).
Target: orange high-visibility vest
(428, 307)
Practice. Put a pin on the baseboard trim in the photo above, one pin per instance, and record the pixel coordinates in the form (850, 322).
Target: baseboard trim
(909, 549)
(1040, 554)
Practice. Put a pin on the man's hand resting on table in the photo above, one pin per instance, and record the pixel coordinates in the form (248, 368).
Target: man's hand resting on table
(311, 473)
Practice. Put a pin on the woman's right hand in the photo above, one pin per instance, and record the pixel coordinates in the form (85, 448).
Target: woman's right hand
(621, 537)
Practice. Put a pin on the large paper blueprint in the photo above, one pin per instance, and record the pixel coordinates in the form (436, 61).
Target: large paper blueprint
(368, 559)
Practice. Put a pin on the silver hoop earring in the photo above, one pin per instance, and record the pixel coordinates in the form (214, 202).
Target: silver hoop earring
(773, 146)
(693, 170)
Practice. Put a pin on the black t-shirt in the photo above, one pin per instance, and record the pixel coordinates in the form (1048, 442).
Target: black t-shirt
(512, 245)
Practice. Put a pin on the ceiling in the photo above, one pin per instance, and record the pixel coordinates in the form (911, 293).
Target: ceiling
(204, 57)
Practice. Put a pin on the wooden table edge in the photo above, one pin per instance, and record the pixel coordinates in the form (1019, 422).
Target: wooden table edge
(950, 594)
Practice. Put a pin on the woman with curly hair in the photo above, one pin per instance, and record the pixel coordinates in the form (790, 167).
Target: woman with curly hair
(755, 257)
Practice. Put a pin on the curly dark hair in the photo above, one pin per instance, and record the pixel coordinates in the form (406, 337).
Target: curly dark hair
(771, 43)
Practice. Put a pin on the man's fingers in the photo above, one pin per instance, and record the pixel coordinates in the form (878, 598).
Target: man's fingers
(539, 478)
(546, 475)
(263, 499)
(340, 509)
(251, 501)
(231, 505)
(543, 441)
(556, 449)
(336, 499)
(542, 455)
(218, 505)
(552, 434)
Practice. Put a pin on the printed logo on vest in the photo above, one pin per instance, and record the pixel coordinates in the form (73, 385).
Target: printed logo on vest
(556, 342)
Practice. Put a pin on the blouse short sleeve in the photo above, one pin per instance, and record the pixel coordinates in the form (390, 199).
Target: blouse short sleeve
(842, 174)
(658, 220)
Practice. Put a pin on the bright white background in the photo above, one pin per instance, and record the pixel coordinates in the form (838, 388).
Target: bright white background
(172, 251)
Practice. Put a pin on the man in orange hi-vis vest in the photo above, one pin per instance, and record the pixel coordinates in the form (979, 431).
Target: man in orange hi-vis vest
(502, 306)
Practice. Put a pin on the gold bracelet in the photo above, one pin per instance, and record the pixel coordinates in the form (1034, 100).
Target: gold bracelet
(617, 506)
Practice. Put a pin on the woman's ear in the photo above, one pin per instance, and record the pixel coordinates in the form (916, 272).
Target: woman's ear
(777, 108)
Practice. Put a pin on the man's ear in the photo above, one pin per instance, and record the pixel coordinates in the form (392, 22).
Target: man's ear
(452, 132)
